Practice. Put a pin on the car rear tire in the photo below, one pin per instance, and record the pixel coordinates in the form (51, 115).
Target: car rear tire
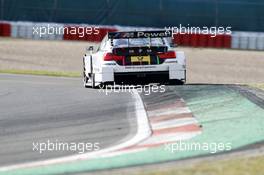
(85, 80)
(176, 82)
(92, 78)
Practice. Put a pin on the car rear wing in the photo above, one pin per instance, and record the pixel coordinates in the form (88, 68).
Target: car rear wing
(139, 34)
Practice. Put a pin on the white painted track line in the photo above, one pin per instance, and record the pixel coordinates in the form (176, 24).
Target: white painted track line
(174, 123)
(143, 132)
(169, 111)
(170, 137)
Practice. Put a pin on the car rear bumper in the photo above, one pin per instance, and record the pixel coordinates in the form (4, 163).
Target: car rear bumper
(149, 73)
(139, 68)
(142, 77)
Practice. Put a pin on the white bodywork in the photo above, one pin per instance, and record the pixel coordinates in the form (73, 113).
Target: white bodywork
(104, 71)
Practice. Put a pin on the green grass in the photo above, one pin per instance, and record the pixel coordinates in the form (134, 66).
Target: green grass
(259, 85)
(42, 72)
(240, 166)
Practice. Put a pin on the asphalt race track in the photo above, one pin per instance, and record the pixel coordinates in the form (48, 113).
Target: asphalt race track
(39, 108)
(34, 109)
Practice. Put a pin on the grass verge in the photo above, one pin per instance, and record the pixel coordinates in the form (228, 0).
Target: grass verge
(260, 85)
(42, 72)
(247, 166)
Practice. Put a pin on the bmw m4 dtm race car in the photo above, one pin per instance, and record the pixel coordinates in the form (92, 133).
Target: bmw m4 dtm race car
(134, 56)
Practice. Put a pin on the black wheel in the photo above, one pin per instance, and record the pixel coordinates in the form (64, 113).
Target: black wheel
(85, 80)
(92, 80)
(175, 82)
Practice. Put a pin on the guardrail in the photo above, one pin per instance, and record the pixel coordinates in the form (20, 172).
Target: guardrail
(237, 40)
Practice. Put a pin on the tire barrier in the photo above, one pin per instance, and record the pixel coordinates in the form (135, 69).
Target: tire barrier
(202, 40)
(260, 42)
(37, 31)
(24, 30)
(48, 31)
(14, 29)
(248, 40)
(86, 33)
(5, 29)
(55, 31)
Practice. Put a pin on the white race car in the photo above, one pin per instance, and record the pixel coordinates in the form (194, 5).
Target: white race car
(132, 57)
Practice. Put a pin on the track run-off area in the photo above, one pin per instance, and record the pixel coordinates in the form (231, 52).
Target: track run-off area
(216, 118)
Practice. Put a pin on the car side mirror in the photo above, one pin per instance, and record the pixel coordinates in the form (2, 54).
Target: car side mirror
(90, 48)
(174, 45)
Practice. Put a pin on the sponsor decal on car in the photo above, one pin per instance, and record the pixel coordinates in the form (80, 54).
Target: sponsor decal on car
(140, 34)
(140, 59)
(140, 67)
